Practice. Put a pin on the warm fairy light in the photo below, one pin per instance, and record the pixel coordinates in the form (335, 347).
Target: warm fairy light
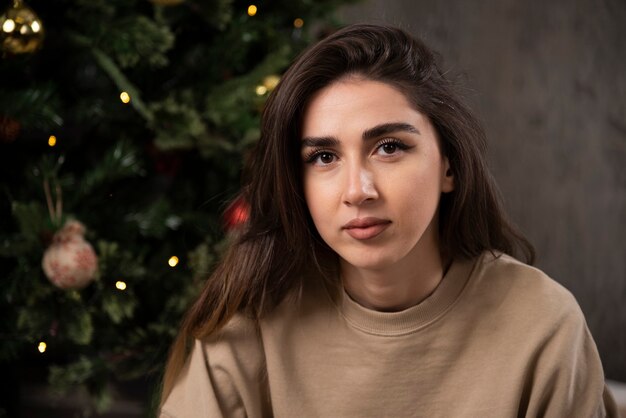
(35, 26)
(8, 25)
(298, 23)
(271, 81)
(52, 140)
(173, 261)
(261, 90)
(252, 9)
(120, 285)
(125, 97)
(42, 347)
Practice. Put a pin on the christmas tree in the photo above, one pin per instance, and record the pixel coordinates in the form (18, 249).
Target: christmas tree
(123, 127)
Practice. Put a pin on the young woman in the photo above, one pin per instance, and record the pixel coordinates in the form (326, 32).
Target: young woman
(373, 277)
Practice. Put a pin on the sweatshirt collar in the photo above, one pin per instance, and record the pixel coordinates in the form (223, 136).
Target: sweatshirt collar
(416, 317)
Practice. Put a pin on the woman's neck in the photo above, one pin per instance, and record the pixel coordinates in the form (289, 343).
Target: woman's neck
(398, 287)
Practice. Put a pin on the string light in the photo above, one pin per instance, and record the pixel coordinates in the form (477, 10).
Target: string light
(271, 81)
(261, 90)
(120, 285)
(173, 261)
(8, 26)
(42, 347)
(252, 9)
(52, 140)
(298, 23)
(124, 97)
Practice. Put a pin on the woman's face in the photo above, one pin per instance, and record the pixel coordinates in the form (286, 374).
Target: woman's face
(373, 174)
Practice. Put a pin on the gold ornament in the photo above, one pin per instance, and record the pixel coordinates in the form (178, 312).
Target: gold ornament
(166, 2)
(21, 30)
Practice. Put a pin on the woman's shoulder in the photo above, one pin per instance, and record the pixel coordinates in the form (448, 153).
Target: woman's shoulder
(238, 340)
(222, 374)
(244, 335)
(513, 285)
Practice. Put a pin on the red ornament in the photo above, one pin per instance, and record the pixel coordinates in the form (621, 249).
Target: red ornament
(165, 163)
(236, 214)
(9, 129)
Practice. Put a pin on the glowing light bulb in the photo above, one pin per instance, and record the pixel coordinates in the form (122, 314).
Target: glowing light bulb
(35, 26)
(252, 9)
(8, 25)
(261, 90)
(42, 347)
(52, 140)
(124, 97)
(298, 23)
(271, 81)
(120, 285)
(173, 261)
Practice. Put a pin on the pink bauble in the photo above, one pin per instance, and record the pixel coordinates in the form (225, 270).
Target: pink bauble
(70, 262)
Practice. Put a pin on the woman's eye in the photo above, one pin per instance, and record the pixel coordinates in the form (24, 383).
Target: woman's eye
(389, 148)
(321, 158)
(325, 158)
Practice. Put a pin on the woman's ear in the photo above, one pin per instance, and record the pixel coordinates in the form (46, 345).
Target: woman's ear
(447, 182)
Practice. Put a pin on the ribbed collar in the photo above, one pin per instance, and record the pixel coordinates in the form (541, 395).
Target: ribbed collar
(412, 319)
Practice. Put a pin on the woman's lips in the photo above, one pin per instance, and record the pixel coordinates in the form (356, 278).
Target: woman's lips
(366, 228)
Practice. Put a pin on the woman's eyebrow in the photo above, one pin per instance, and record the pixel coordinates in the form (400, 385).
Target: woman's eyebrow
(369, 134)
(389, 128)
(319, 142)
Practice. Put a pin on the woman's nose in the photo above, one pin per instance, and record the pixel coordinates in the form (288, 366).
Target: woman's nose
(360, 186)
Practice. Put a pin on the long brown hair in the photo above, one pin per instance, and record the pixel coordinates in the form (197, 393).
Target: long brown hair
(267, 259)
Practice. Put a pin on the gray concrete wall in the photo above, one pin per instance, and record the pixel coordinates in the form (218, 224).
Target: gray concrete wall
(548, 79)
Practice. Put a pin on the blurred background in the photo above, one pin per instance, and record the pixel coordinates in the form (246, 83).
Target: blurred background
(124, 124)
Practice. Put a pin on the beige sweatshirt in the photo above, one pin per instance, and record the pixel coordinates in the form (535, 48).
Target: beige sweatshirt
(497, 338)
